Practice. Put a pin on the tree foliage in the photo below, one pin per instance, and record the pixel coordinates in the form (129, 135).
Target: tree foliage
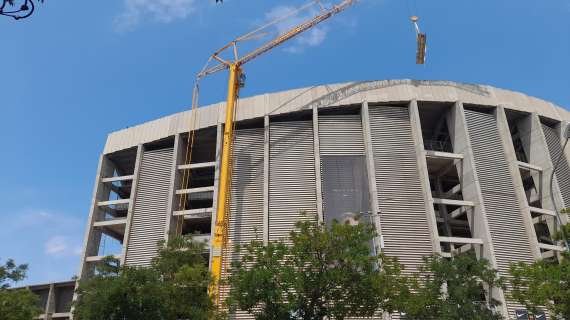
(16, 304)
(450, 289)
(321, 273)
(544, 283)
(173, 287)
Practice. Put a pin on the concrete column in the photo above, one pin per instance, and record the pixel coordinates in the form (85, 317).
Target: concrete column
(424, 174)
(371, 170)
(317, 153)
(132, 204)
(92, 237)
(50, 303)
(178, 158)
(540, 156)
(219, 142)
(471, 189)
(266, 179)
(562, 126)
(507, 141)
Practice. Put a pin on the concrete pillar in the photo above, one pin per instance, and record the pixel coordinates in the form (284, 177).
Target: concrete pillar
(424, 174)
(471, 189)
(540, 156)
(92, 237)
(316, 143)
(132, 204)
(562, 126)
(50, 303)
(371, 170)
(511, 157)
(175, 176)
(266, 179)
(219, 143)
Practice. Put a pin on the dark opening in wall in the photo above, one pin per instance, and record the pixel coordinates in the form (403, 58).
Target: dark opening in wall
(250, 124)
(123, 162)
(196, 227)
(200, 177)
(480, 108)
(532, 192)
(304, 115)
(203, 148)
(341, 110)
(160, 144)
(198, 200)
(435, 132)
(519, 127)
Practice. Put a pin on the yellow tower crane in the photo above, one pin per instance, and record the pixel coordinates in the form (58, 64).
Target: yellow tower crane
(217, 63)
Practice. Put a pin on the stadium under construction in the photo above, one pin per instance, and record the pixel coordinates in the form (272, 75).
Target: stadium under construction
(436, 166)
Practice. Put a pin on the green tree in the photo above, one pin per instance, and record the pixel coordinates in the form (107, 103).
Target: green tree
(321, 273)
(16, 304)
(449, 289)
(173, 287)
(544, 283)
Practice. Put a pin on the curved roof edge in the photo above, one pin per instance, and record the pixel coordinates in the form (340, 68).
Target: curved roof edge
(335, 95)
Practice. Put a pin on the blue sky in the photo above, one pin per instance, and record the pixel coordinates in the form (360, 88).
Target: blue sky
(78, 70)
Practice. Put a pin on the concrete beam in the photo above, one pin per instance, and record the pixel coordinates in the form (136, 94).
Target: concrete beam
(195, 190)
(443, 155)
(451, 202)
(197, 165)
(194, 213)
(115, 179)
(460, 240)
(528, 166)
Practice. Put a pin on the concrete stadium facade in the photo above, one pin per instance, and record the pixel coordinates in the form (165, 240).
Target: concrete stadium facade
(437, 166)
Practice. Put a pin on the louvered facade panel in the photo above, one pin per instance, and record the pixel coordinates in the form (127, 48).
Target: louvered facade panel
(246, 203)
(403, 215)
(150, 207)
(563, 169)
(341, 135)
(506, 223)
(292, 179)
(343, 167)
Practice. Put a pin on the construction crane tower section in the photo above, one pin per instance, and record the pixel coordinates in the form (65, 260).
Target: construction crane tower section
(216, 64)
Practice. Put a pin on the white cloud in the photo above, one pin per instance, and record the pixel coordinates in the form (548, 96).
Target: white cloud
(164, 11)
(310, 38)
(59, 246)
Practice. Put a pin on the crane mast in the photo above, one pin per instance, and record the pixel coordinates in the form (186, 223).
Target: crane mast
(216, 64)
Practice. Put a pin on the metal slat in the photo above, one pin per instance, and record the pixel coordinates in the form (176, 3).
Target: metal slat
(341, 135)
(506, 224)
(292, 178)
(403, 215)
(150, 207)
(343, 166)
(563, 169)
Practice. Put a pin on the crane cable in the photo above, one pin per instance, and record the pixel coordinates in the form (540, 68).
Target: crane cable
(188, 158)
